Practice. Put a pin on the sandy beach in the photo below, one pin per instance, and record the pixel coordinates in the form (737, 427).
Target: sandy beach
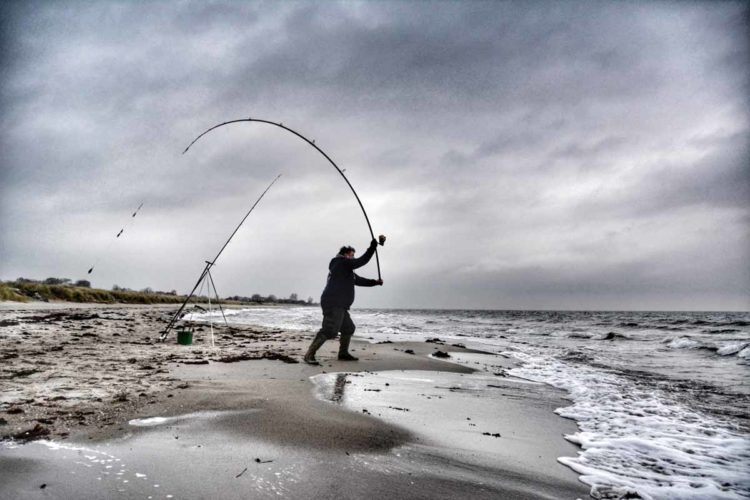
(94, 406)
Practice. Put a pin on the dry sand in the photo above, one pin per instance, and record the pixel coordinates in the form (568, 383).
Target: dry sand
(242, 420)
(66, 368)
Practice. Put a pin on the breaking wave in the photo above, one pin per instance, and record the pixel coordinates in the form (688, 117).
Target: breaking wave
(722, 349)
(637, 441)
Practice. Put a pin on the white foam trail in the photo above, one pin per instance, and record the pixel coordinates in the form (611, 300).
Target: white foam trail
(155, 421)
(684, 343)
(94, 454)
(149, 422)
(732, 348)
(217, 313)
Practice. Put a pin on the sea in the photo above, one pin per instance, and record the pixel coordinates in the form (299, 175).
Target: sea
(661, 399)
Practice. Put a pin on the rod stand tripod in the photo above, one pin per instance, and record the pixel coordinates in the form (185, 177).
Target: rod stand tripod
(207, 280)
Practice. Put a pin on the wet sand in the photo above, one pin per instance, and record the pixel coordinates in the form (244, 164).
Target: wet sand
(264, 427)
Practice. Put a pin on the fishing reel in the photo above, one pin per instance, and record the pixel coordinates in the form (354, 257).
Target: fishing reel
(381, 240)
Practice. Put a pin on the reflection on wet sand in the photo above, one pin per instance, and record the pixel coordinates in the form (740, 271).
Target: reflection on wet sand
(338, 387)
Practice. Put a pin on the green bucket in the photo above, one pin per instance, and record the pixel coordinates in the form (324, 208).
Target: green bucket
(185, 337)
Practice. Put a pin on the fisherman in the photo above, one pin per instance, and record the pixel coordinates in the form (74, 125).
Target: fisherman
(338, 296)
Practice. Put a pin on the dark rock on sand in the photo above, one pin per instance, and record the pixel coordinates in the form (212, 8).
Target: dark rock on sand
(272, 355)
(23, 373)
(237, 357)
(630, 494)
(613, 336)
(36, 432)
(281, 357)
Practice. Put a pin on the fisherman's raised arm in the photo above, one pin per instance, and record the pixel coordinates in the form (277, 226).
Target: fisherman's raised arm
(365, 258)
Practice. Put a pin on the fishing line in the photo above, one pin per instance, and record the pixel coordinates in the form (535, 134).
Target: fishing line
(311, 143)
(111, 242)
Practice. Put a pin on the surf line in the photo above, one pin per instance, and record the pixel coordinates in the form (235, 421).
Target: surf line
(311, 143)
(209, 264)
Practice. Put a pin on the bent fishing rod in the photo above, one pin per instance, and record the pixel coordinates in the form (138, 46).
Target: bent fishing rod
(311, 143)
(211, 263)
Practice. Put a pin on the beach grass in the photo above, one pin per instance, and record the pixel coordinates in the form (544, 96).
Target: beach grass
(23, 291)
(8, 292)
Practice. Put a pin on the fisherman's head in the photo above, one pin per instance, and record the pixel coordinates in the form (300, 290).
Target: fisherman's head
(347, 252)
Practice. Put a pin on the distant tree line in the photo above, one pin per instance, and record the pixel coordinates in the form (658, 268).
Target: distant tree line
(147, 290)
(57, 281)
(272, 299)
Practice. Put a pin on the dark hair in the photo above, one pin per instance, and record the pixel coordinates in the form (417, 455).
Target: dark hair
(346, 249)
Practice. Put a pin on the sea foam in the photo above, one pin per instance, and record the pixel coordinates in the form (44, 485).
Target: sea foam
(639, 441)
(683, 343)
(731, 348)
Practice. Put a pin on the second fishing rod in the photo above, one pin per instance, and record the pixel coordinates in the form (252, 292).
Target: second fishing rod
(211, 263)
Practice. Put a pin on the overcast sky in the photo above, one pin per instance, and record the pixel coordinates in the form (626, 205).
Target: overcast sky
(556, 155)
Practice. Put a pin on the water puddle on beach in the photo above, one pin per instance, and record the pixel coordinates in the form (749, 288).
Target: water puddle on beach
(479, 419)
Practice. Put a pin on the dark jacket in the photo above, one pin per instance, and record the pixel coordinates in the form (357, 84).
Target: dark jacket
(339, 290)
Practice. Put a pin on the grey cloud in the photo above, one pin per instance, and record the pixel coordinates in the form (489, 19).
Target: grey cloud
(465, 126)
(719, 178)
(611, 285)
(592, 149)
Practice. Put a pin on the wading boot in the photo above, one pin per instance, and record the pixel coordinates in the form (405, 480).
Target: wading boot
(318, 341)
(344, 349)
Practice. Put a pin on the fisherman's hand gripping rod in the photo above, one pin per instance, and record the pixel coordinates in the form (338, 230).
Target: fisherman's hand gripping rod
(311, 143)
